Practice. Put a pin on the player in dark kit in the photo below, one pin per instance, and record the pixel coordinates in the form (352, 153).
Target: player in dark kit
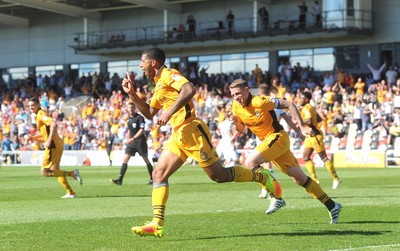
(136, 142)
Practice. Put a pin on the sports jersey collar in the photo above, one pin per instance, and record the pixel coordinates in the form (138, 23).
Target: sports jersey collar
(248, 101)
(158, 73)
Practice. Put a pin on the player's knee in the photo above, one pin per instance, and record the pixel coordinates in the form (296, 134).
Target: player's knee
(251, 163)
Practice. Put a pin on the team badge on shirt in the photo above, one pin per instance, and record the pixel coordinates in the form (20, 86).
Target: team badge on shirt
(257, 113)
(176, 77)
(203, 155)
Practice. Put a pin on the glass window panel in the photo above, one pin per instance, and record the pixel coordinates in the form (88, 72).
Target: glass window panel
(233, 56)
(88, 68)
(116, 63)
(250, 65)
(304, 61)
(89, 65)
(324, 62)
(6, 78)
(210, 58)
(214, 67)
(120, 70)
(171, 62)
(324, 50)
(193, 59)
(347, 57)
(212, 61)
(18, 73)
(48, 70)
(134, 66)
(233, 65)
(301, 52)
(174, 60)
(283, 53)
(257, 55)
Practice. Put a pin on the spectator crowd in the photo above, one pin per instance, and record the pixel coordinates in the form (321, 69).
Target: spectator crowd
(369, 101)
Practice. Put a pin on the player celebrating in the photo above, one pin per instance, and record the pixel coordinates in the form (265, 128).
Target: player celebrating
(315, 141)
(257, 113)
(54, 148)
(191, 137)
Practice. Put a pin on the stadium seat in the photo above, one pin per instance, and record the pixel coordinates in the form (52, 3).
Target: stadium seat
(328, 140)
(374, 145)
(335, 143)
(342, 143)
(375, 136)
(353, 128)
(297, 144)
(382, 144)
(358, 144)
(397, 144)
(351, 136)
(366, 140)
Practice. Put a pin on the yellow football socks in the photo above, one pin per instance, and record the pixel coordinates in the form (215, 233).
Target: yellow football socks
(59, 173)
(159, 200)
(315, 190)
(331, 168)
(311, 169)
(64, 182)
(241, 174)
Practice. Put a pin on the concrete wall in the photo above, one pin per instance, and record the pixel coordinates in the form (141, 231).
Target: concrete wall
(47, 41)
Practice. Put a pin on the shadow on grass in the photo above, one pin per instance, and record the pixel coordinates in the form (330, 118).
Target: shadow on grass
(319, 233)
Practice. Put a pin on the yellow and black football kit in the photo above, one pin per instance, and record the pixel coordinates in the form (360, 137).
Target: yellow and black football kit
(191, 137)
(317, 140)
(259, 116)
(52, 155)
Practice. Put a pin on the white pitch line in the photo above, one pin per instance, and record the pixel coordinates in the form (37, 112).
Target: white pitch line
(368, 247)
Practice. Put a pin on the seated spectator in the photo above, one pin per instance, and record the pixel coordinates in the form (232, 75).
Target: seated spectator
(112, 39)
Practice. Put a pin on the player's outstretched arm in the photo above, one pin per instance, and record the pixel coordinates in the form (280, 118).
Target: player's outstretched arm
(294, 112)
(292, 125)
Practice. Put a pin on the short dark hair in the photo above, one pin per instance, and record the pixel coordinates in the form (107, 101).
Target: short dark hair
(155, 53)
(307, 95)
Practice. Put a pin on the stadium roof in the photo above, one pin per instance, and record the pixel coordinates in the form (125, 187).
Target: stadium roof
(20, 12)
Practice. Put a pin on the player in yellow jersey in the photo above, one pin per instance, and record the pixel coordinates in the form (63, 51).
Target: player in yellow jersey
(257, 113)
(315, 140)
(191, 137)
(54, 148)
(265, 90)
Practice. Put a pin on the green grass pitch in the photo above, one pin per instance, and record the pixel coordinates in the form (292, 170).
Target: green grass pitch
(200, 214)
